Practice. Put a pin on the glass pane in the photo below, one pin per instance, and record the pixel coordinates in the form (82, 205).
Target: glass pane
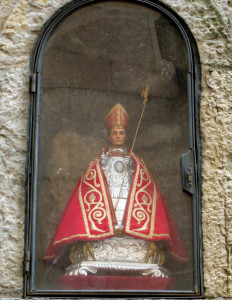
(103, 214)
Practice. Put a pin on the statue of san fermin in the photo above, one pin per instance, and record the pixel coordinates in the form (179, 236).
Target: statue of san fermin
(116, 223)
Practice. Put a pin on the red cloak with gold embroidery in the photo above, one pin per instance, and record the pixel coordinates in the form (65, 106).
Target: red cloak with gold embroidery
(89, 214)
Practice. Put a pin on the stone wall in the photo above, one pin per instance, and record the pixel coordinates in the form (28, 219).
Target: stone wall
(210, 23)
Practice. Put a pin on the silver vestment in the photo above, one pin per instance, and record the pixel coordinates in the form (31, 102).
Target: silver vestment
(118, 171)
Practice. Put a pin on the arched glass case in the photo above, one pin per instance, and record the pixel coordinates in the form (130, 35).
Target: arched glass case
(113, 169)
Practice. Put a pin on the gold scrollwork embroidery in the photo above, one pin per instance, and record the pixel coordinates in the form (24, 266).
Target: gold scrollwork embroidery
(91, 175)
(93, 200)
(143, 206)
(144, 176)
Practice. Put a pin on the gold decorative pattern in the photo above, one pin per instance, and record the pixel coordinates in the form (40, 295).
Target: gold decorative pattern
(140, 213)
(100, 210)
(137, 208)
(69, 238)
(118, 116)
(93, 200)
(83, 207)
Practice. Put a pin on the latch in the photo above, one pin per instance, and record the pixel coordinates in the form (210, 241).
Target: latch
(189, 177)
(187, 172)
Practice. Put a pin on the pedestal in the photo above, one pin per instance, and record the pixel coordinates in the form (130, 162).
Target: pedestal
(103, 282)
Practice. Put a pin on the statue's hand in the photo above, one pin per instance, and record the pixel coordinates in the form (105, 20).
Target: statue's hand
(104, 157)
(127, 160)
(87, 248)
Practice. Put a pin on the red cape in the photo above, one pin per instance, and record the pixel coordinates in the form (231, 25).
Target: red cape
(89, 214)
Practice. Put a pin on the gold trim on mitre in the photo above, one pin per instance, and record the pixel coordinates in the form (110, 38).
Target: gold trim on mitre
(117, 117)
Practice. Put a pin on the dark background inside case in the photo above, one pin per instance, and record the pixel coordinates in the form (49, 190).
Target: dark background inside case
(98, 56)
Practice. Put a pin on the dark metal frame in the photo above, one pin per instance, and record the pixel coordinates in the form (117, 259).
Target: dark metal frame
(190, 161)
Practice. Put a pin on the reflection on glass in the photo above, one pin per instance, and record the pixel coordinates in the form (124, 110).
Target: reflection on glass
(116, 224)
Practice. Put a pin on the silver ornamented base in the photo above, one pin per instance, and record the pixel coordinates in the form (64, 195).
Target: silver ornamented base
(116, 268)
(116, 249)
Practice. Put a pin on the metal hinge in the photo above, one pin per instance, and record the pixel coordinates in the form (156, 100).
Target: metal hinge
(33, 82)
(187, 172)
(27, 261)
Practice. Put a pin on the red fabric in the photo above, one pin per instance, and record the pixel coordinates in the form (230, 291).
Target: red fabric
(89, 214)
(117, 116)
(93, 282)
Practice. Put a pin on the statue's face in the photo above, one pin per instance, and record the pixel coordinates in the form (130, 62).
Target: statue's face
(117, 137)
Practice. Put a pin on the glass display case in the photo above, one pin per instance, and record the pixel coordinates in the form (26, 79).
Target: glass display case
(114, 104)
